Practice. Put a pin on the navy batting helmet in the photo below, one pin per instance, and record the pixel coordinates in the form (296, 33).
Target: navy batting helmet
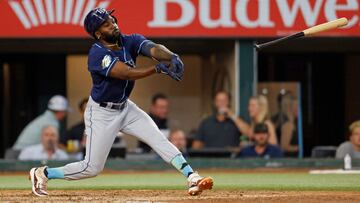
(95, 18)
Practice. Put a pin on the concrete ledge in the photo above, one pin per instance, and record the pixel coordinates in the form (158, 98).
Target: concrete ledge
(203, 163)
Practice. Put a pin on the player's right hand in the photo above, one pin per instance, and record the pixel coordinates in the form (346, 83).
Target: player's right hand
(165, 69)
(162, 68)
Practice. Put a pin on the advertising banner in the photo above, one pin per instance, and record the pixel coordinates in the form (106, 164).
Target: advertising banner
(178, 18)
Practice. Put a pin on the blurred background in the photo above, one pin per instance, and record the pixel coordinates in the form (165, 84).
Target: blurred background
(43, 52)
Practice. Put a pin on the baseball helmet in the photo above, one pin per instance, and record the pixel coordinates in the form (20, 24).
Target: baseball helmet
(95, 18)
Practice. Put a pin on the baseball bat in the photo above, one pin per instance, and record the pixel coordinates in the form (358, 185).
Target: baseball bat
(308, 32)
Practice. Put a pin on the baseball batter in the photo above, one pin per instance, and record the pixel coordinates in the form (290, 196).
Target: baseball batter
(111, 63)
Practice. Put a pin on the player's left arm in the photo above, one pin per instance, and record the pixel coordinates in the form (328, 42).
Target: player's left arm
(161, 53)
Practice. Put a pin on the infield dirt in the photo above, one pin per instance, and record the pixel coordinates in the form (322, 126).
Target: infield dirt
(143, 196)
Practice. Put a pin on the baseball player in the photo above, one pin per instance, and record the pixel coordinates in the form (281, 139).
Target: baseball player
(111, 63)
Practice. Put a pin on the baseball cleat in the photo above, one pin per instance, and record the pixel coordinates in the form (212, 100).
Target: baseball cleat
(39, 181)
(197, 184)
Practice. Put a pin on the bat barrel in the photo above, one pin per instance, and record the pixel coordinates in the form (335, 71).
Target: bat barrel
(326, 26)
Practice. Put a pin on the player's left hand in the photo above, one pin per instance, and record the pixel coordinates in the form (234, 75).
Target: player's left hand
(178, 66)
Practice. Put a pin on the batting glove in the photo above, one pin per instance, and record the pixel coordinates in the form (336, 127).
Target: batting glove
(162, 68)
(178, 65)
(165, 69)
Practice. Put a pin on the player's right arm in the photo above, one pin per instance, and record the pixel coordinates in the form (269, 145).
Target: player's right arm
(125, 72)
(103, 63)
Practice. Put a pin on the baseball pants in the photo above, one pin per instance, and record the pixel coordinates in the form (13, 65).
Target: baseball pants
(101, 127)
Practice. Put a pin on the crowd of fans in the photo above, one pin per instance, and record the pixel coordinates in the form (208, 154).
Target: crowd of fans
(261, 136)
(223, 129)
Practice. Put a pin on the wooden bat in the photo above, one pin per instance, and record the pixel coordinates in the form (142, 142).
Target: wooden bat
(308, 32)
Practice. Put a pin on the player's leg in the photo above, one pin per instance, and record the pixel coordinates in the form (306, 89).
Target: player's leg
(101, 130)
(102, 126)
(140, 125)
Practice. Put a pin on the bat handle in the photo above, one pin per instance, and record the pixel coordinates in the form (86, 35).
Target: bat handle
(291, 37)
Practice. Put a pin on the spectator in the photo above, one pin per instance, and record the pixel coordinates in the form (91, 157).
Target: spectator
(76, 132)
(258, 110)
(47, 149)
(159, 111)
(289, 130)
(351, 147)
(280, 118)
(56, 112)
(261, 146)
(222, 129)
(178, 138)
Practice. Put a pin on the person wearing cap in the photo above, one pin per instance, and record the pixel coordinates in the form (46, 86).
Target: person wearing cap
(47, 149)
(112, 66)
(261, 147)
(57, 109)
(76, 133)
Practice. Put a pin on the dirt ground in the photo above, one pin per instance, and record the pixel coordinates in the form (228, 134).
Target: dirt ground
(143, 196)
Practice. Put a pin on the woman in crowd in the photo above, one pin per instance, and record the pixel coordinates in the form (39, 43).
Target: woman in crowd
(259, 113)
(289, 130)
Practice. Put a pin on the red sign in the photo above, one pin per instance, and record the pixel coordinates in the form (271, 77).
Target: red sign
(178, 18)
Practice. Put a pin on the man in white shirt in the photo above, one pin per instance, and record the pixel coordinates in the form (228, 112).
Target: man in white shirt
(57, 110)
(47, 150)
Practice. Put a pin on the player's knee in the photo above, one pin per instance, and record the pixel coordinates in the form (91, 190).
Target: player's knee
(93, 171)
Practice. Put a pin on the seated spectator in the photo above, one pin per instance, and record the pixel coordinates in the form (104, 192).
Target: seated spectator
(76, 133)
(30, 135)
(178, 139)
(47, 150)
(259, 112)
(261, 146)
(351, 147)
(289, 130)
(159, 111)
(222, 129)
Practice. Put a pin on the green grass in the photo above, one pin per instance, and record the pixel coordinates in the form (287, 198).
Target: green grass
(232, 181)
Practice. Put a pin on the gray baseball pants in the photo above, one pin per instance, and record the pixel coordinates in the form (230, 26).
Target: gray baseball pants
(101, 127)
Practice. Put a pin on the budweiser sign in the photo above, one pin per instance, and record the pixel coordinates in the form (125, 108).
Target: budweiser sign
(179, 18)
(37, 12)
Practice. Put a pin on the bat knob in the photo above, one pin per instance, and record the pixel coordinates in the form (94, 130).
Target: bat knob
(257, 47)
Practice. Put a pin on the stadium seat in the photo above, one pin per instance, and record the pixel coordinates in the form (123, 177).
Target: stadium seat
(323, 152)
